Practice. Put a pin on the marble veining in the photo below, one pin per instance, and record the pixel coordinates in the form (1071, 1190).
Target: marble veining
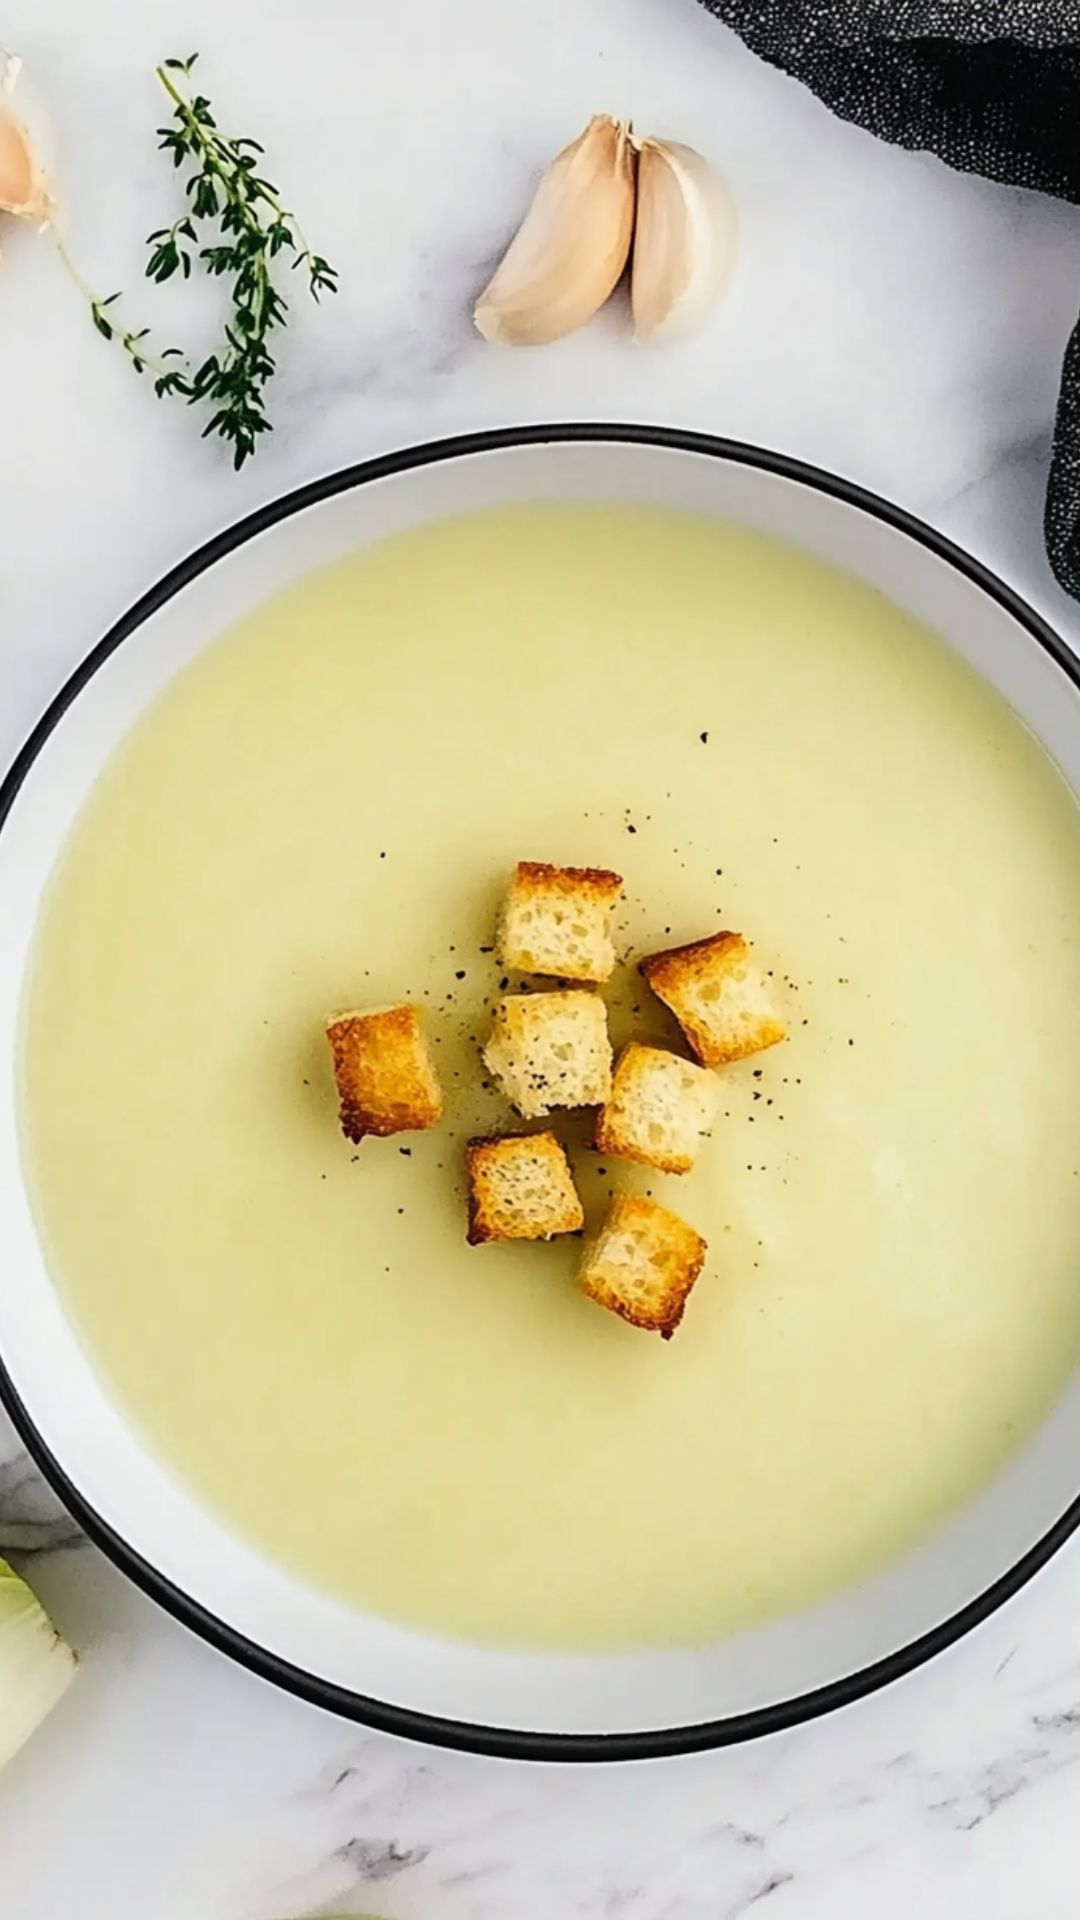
(32, 1520)
(888, 319)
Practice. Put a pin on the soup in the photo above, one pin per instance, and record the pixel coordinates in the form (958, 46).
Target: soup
(322, 811)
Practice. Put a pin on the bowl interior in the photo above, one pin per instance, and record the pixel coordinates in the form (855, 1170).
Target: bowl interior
(363, 1665)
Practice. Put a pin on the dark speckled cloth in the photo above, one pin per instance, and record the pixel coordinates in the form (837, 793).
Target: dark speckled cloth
(992, 87)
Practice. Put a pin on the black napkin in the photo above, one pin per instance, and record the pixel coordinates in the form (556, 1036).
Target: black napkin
(991, 87)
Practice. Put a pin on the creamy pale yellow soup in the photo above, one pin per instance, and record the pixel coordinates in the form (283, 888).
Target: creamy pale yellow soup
(322, 812)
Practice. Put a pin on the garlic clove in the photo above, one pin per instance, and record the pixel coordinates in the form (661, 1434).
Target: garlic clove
(684, 240)
(570, 250)
(24, 147)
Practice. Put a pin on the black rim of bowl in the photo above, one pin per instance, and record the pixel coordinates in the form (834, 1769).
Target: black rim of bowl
(510, 1743)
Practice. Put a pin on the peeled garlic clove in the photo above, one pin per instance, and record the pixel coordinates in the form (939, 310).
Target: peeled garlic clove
(572, 245)
(684, 240)
(24, 147)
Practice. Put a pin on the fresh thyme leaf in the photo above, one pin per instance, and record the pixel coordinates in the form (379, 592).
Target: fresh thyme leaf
(235, 228)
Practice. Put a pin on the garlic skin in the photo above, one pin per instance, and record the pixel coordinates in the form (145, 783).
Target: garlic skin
(684, 240)
(572, 246)
(24, 147)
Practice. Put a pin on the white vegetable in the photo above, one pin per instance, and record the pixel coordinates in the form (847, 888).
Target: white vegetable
(572, 245)
(25, 147)
(35, 1665)
(684, 240)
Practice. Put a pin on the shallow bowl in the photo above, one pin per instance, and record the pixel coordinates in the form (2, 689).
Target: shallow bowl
(541, 1706)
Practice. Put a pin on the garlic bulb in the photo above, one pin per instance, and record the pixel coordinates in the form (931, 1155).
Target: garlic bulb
(24, 147)
(572, 245)
(684, 240)
(35, 1665)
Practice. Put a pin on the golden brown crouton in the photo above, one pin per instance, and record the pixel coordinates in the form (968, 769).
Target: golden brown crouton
(550, 1050)
(643, 1264)
(660, 1108)
(555, 921)
(719, 997)
(520, 1188)
(385, 1079)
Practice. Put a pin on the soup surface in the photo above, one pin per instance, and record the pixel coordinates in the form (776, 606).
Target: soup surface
(321, 812)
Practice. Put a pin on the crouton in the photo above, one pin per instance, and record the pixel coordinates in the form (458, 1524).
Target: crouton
(719, 997)
(555, 921)
(520, 1188)
(550, 1050)
(385, 1079)
(660, 1108)
(643, 1264)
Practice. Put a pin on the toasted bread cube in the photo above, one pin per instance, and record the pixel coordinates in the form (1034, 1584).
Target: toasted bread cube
(719, 997)
(555, 921)
(643, 1264)
(520, 1188)
(660, 1108)
(385, 1079)
(550, 1050)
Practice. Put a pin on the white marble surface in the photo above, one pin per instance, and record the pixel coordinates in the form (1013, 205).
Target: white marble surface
(889, 319)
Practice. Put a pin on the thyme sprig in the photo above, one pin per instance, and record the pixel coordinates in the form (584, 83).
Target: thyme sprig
(235, 227)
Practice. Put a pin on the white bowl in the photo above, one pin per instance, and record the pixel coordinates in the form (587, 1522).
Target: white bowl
(557, 1707)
